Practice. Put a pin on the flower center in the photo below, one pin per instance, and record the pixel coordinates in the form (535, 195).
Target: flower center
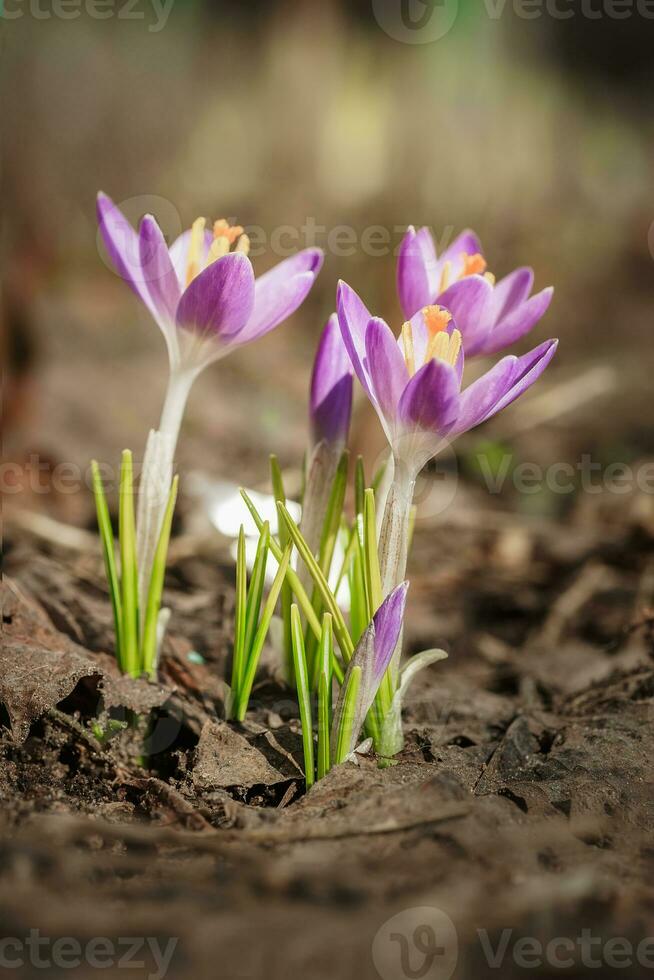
(473, 265)
(224, 236)
(440, 345)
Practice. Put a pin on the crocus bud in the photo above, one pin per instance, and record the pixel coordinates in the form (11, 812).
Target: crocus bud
(330, 403)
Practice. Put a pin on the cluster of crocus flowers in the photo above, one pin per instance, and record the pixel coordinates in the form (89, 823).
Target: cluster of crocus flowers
(202, 293)
(454, 308)
(204, 296)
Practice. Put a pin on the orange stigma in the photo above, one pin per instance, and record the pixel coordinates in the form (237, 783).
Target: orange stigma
(436, 318)
(473, 265)
(223, 229)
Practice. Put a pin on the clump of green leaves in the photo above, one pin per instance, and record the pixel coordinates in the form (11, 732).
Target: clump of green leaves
(138, 632)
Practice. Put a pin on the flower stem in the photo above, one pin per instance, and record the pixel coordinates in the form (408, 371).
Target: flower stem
(321, 471)
(393, 554)
(157, 475)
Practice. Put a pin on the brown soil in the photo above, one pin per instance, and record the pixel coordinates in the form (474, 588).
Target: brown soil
(522, 801)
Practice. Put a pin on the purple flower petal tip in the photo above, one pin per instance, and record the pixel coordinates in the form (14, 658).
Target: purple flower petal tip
(330, 402)
(387, 623)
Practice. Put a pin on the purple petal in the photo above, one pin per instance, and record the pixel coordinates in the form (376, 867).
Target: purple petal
(431, 398)
(386, 368)
(179, 253)
(470, 301)
(418, 272)
(372, 655)
(280, 291)
(219, 301)
(512, 291)
(388, 623)
(158, 269)
(479, 399)
(330, 402)
(122, 244)
(518, 322)
(353, 319)
(466, 243)
(528, 369)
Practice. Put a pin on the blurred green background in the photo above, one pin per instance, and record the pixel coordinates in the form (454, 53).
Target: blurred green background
(536, 131)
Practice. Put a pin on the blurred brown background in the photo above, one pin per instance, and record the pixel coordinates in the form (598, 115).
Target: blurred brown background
(535, 131)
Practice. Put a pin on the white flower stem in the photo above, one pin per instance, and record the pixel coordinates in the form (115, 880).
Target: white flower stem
(394, 533)
(393, 554)
(157, 475)
(179, 386)
(321, 470)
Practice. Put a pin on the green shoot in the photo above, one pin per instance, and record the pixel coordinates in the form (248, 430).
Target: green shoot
(138, 632)
(148, 658)
(107, 539)
(241, 696)
(344, 733)
(292, 577)
(324, 661)
(304, 697)
(286, 597)
(327, 596)
(239, 613)
(129, 639)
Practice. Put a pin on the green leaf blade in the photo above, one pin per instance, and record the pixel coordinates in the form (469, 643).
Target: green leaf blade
(109, 554)
(155, 590)
(303, 694)
(129, 641)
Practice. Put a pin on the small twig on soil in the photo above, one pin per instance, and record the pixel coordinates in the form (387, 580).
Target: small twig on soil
(55, 532)
(222, 841)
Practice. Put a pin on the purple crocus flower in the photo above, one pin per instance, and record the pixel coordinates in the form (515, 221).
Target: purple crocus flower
(206, 302)
(330, 401)
(373, 655)
(490, 315)
(204, 296)
(414, 382)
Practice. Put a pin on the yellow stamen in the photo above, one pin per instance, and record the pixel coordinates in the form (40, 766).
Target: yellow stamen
(407, 343)
(455, 347)
(473, 264)
(446, 277)
(219, 247)
(489, 277)
(436, 318)
(444, 347)
(195, 257)
(437, 347)
(243, 245)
